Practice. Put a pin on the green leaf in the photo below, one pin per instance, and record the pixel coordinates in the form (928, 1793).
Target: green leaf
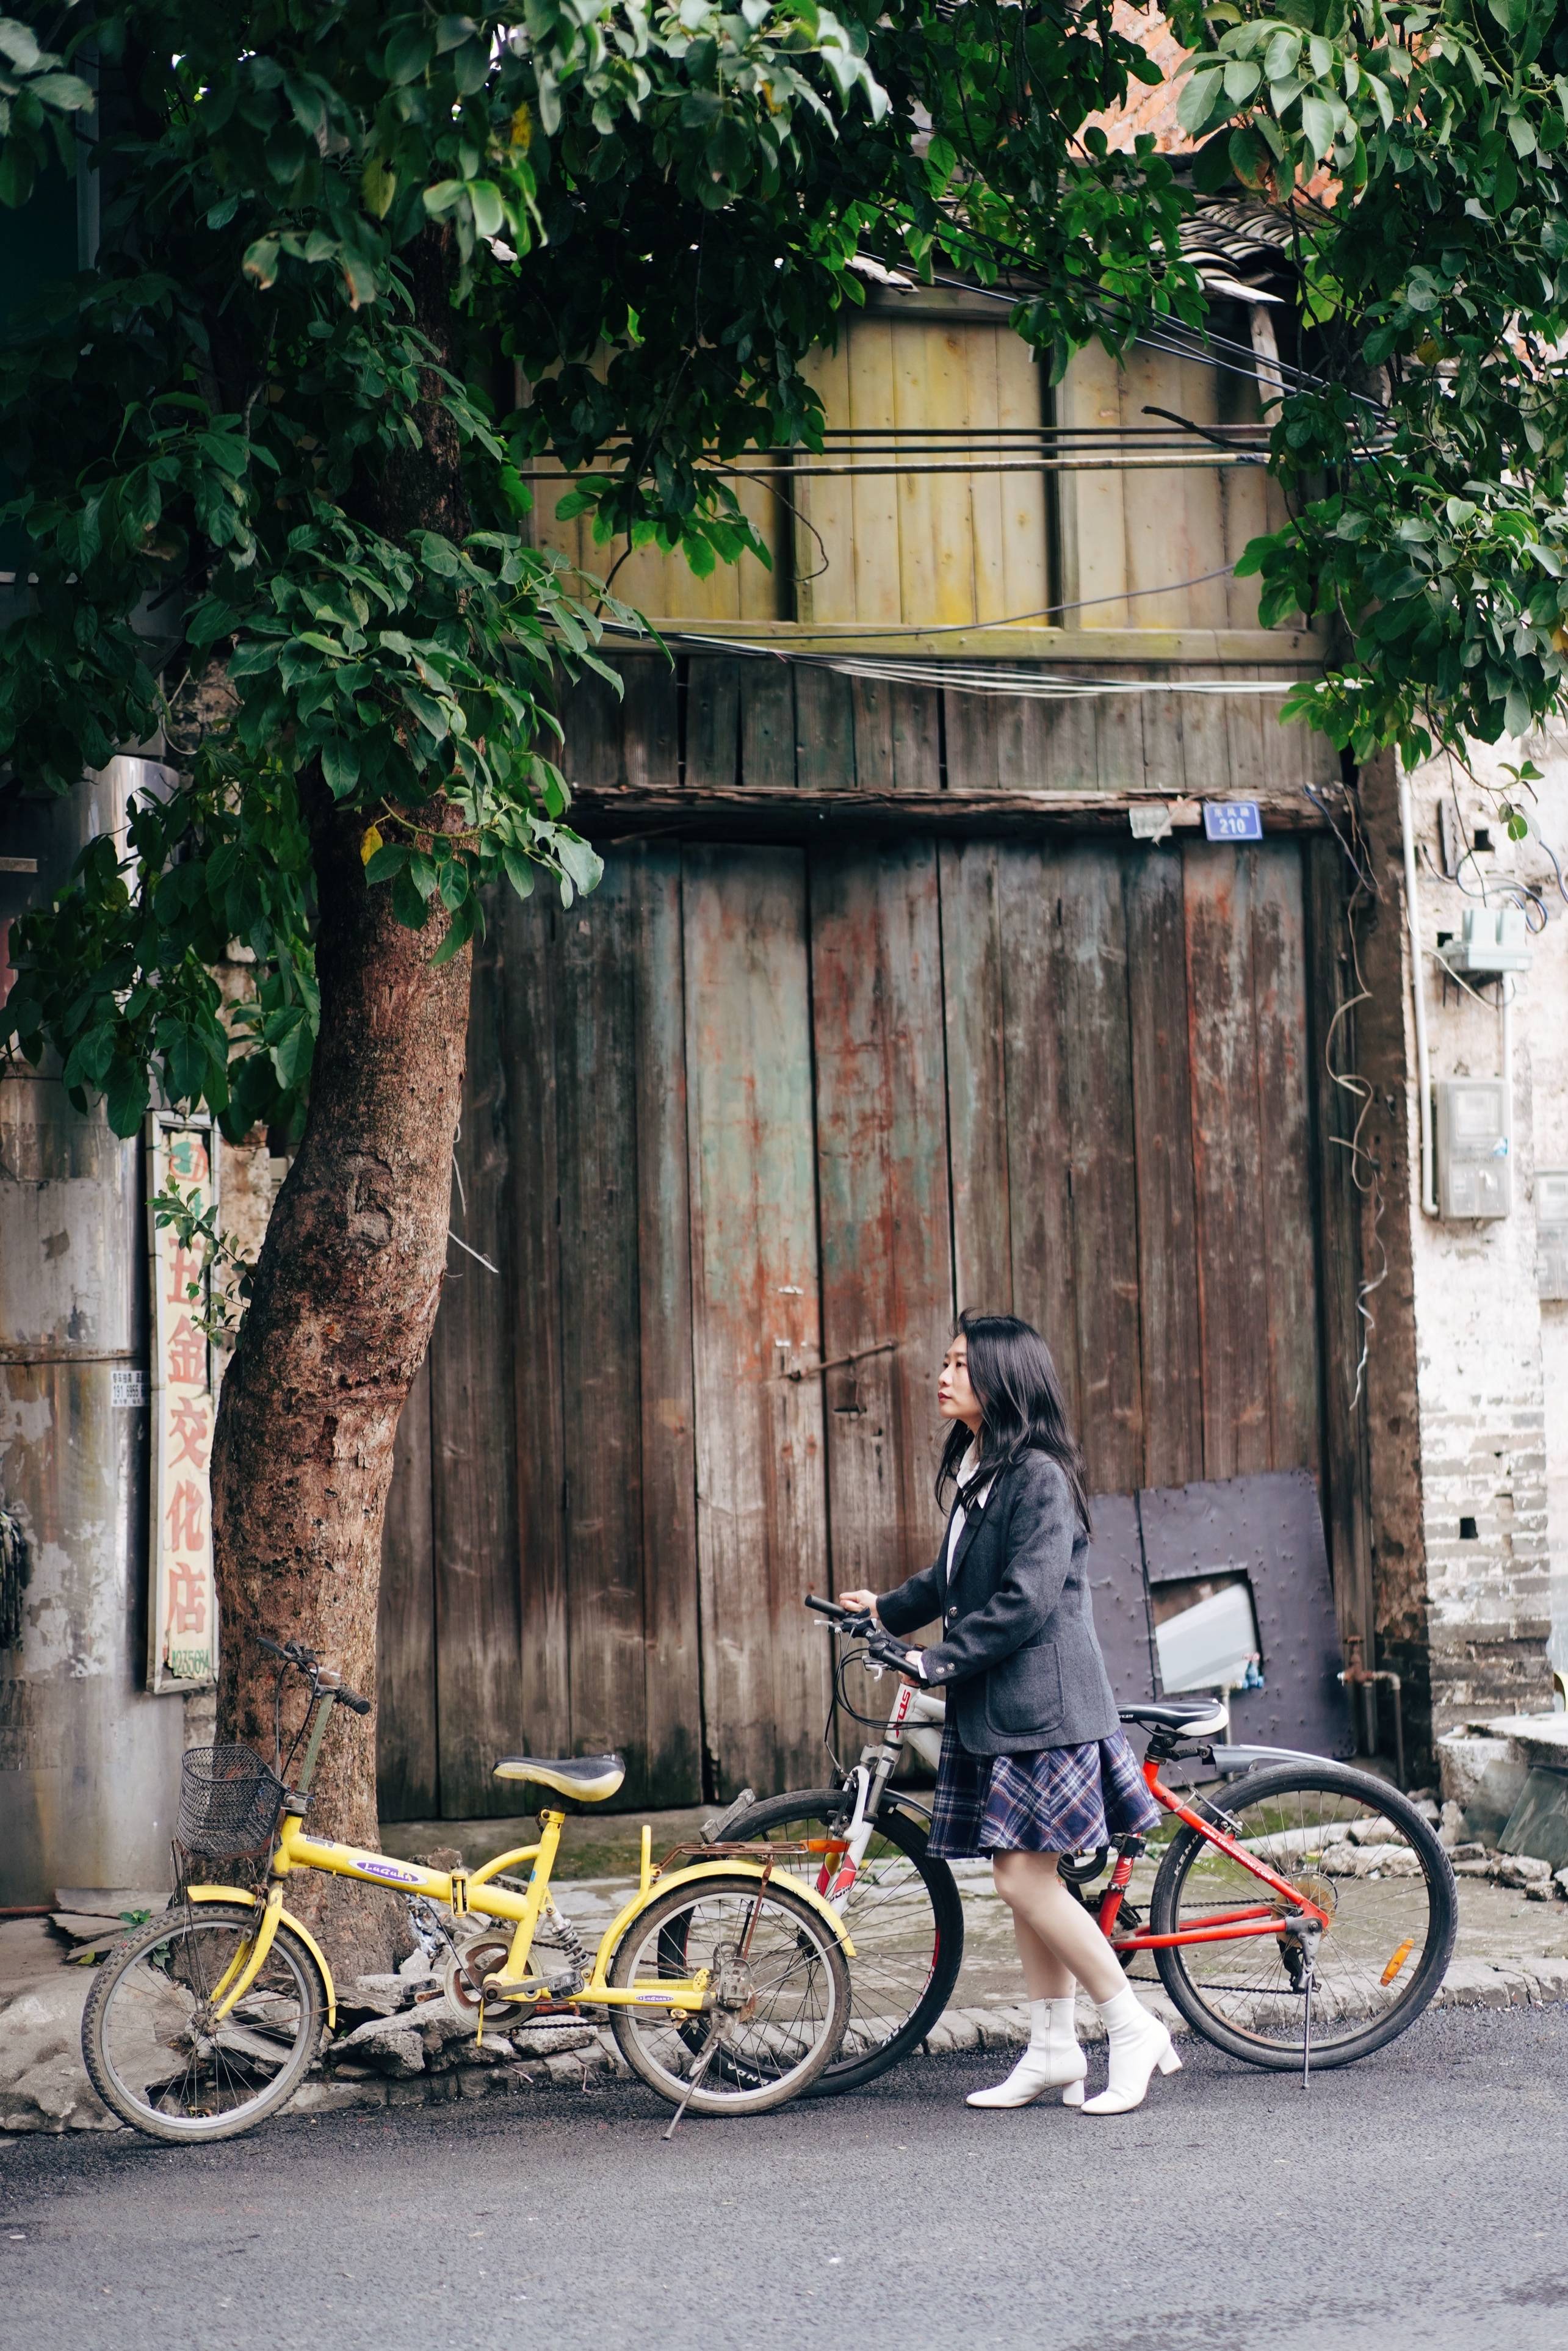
(378, 186)
(126, 1096)
(261, 261)
(340, 766)
(489, 215)
(1318, 125)
(409, 52)
(388, 860)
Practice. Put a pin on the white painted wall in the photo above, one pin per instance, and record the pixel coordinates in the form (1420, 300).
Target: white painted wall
(1492, 1356)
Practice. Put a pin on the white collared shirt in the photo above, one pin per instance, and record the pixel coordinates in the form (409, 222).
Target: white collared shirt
(966, 1468)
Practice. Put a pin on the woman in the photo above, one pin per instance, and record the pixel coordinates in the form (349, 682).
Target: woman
(1034, 1765)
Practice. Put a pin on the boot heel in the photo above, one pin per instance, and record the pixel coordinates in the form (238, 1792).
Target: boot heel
(1073, 2094)
(1170, 2063)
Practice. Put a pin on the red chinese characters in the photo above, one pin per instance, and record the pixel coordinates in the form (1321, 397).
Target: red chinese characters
(190, 1431)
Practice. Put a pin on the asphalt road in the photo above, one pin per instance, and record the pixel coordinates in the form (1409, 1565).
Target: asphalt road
(1415, 2200)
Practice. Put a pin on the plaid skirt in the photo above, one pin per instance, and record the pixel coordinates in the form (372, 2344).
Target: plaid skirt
(1056, 1800)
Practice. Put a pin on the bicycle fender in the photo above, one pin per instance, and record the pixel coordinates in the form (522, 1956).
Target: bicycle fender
(641, 1901)
(241, 1895)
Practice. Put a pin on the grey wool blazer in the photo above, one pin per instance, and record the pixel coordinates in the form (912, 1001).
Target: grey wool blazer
(1018, 1648)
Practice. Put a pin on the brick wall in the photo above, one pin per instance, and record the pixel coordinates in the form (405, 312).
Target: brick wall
(1493, 1454)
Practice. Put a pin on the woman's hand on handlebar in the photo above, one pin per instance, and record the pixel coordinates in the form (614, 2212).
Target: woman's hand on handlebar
(859, 1604)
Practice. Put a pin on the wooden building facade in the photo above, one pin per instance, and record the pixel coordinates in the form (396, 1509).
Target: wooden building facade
(880, 1011)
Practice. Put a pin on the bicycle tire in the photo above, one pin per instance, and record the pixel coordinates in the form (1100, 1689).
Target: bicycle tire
(748, 2090)
(1272, 1785)
(101, 2028)
(826, 1806)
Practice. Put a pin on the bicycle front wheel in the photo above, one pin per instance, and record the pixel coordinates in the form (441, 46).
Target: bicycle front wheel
(159, 2057)
(1357, 1850)
(781, 1994)
(903, 1915)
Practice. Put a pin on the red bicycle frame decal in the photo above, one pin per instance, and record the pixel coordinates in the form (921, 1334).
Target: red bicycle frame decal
(1218, 1926)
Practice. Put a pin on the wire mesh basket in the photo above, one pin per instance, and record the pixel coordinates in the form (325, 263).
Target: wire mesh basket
(229, 1800)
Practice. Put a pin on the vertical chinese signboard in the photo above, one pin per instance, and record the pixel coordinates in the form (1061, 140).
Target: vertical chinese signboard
(182, 1617)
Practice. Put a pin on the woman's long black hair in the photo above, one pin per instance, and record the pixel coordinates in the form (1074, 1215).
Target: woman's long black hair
(1022, 1406)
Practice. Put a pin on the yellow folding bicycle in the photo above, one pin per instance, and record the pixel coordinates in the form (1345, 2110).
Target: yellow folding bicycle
(728, 1990)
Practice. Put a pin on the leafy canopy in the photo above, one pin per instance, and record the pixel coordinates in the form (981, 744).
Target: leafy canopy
(1423, 151)
(355, 276)
(270, 450)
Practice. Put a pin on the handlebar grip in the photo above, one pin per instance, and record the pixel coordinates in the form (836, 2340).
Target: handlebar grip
(272, 1649)
(825, 1607)
(353, 1700)
(889, 1652)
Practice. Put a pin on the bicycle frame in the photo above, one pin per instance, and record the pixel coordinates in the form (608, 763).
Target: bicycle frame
(465, 1891)
(1226, 1926)
(917, 1713)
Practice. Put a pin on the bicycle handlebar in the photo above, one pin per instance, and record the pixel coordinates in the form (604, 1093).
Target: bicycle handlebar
(295, 1653)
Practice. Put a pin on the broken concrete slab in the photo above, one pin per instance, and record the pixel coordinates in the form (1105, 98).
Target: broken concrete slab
(43, 2082)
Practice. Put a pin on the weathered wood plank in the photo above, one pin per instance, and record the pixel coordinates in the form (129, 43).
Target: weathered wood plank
(713, 723)
(1040, 1121)
(1227, 1160)
(883, 1205)
(408, 1785)
(1093, 512)
(768, 725)
(761, 1525)
(916, 730)
(1285, 1224)
(825, 744)
(871, 701)
(476, 1352)
(1171, 1325)
(1091, 983)
(672, 1663)
(825, 510)
(530, 949)
(596, 1140)
(650, 723)
(973, 1003)
(874, 405)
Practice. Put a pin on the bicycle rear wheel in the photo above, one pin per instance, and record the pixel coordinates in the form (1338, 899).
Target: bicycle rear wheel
(903, 1915)
(155, 2054)
(781, 1985)
(1358, 1850)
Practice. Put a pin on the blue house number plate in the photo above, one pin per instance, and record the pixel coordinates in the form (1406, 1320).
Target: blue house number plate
(1232, 821)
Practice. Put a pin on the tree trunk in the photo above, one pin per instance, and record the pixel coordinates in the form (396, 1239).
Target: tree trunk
(346, 1292)
(350, 1272)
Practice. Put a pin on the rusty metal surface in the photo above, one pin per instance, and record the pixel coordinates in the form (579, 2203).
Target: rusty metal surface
(1268, 1526)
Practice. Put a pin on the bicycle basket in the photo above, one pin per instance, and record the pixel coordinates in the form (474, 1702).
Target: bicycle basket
(229, 1800)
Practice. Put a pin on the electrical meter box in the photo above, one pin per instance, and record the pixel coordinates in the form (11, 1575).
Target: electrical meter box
(1475, 1169)
(1493, 940)
(1551, 1231)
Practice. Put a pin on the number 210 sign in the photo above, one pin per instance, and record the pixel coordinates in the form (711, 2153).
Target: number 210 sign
(1232, 821)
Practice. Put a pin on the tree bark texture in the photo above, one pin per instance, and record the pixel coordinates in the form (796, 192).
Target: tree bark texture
(349, 1278)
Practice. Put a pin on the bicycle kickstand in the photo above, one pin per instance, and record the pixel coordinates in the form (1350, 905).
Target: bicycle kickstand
(698, 2070)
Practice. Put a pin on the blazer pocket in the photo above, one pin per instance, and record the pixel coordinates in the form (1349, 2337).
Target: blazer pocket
(1024, 1692)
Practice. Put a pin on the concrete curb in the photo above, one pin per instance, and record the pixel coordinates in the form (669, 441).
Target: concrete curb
(28, 2106)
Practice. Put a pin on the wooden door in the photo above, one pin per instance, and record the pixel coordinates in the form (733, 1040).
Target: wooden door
(740, 1132)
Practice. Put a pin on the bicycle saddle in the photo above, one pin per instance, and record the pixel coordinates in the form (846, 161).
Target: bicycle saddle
(1198, 1716)
(593, 1778)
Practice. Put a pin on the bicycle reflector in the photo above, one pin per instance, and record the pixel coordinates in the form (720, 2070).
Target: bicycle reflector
(1397, 1961)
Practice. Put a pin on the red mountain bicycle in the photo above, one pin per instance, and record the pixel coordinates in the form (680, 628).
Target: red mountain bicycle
(1301, 1913)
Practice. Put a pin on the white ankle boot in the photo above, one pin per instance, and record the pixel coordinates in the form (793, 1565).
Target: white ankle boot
(1053, 2061)
(1139, 2046)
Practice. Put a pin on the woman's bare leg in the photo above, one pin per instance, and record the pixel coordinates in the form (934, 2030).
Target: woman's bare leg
(1058, 1924)
(1044, 1976)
